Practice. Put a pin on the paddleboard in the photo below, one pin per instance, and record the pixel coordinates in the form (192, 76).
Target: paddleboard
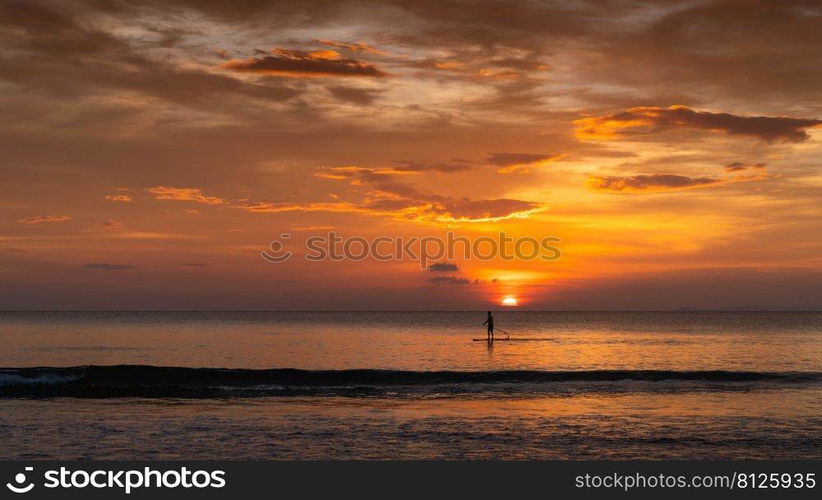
(513, 340)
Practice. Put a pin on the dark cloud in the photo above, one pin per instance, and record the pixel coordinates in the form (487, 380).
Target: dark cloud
(355, 95)
(299, 63)
(656, 183)
(483, 209)
(649, 183)
(739, 166)
(767, 52)
(109, 267)
(646, 120)
(455, 165)
(443, 267)
(509, 159)
(516, 23)
(448, 280)
(633, 44)
(518, 64)
(75, 57)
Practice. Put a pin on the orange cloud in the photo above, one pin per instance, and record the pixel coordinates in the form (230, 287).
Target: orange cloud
(299, 63)
(358, 174)
(273, 207)
(399, 200)
(295, 227)
(323, 54)
(448, 210)
(40, 219)
(448, 65)
(353, 47)
(184, 194)
(498, 74)
(647, 120)
(123, 198)
(520, 162)
(387, 198)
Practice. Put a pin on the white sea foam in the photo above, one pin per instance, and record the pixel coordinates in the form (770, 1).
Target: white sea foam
(12, 379)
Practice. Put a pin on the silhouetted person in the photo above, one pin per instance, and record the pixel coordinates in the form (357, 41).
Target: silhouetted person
(490, 323)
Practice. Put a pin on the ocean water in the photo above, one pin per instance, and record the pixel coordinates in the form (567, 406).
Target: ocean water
(403, 385)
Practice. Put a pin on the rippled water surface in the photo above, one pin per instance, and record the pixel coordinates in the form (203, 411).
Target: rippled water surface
(569, 385)
(417, 341)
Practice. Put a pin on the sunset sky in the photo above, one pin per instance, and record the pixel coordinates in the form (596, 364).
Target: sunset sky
(150, 150)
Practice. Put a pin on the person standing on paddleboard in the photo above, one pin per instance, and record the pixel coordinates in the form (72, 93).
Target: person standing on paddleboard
(490, 323)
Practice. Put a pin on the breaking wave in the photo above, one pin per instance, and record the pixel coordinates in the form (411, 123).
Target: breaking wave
(181, 382)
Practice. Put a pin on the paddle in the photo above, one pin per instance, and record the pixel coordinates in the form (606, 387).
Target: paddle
(503, 331)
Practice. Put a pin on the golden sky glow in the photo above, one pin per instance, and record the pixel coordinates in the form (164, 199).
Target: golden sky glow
(151, 150)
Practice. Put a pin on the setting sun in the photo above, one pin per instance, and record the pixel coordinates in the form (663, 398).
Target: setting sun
(509, 301)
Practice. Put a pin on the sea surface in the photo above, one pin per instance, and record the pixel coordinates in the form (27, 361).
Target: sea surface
(410, 385)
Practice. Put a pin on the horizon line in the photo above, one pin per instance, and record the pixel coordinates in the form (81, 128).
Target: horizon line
(499, 309)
